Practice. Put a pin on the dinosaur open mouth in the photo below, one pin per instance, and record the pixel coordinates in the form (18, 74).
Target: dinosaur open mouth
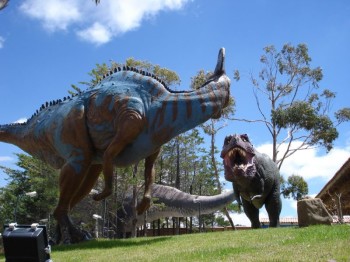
(238, 161)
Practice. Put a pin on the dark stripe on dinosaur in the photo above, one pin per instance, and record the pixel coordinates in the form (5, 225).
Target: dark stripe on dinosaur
(164, 110)
(160, 114)
(201, 100)
(188, 106)
(175, 109)
(214, 100)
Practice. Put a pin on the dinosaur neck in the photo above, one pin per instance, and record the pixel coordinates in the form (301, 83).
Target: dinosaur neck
(180, 112)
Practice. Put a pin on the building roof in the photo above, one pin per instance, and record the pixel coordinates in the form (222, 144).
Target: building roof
(294, 220)
(283, 220)
(338, 184)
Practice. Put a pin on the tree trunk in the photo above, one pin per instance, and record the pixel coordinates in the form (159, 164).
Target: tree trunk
(216, 172)
(340, 212)
(158, 227)
(177, 179)
(134, 203)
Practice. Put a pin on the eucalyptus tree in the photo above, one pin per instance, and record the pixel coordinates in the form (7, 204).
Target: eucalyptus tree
(298, 112)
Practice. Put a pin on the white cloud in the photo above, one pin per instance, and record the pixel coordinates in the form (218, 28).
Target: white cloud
(98, 24)
(240, 219)
(5, 158)
(311, 163)
(289, 203)
(21, 120)
(54, 14)
(2, 41)
(97, 34)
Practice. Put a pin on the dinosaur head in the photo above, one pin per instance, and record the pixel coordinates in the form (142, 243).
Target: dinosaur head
(220, 80)
(239, 157)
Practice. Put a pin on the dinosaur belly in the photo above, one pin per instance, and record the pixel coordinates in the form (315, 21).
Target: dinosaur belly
(133, 153)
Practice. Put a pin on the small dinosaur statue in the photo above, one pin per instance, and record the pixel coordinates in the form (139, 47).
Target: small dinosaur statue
(127, 117)
(169, 202)
(255, 178)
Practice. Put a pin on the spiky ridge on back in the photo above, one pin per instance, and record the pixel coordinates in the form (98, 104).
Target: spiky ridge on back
(136, 70)
(142, 72)
(111, 72)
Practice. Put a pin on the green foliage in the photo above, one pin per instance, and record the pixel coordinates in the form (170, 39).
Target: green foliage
(221, 222)
(236, 75)
(295, 187)
(184, 160)
(34, 175)
(168, 76)
(97, 74)
(343, 115)
(303, 115)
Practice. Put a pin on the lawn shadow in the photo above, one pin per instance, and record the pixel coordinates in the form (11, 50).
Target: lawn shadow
(109, 243)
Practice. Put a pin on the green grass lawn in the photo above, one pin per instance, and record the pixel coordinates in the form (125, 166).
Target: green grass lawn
(316, 243)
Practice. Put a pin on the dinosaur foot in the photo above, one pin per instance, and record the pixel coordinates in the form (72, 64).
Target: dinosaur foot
(105, 193)
(143, 205)
(69, 234)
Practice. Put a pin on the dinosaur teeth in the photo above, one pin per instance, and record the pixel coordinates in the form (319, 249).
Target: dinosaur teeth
(237, 155)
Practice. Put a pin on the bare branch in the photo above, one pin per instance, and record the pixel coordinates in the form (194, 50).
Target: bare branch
(250, 121)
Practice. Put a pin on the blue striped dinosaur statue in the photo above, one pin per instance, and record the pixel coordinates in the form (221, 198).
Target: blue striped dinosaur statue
(125, 118)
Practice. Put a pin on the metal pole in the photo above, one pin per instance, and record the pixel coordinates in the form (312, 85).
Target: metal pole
(15, 213)
(199, 217)
(96, 228)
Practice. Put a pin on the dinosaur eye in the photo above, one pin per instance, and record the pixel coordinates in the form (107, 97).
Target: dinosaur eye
(227, 140)
(245, 138)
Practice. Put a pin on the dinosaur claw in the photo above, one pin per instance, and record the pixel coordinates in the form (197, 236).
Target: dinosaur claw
(143, 205)
(105, 193)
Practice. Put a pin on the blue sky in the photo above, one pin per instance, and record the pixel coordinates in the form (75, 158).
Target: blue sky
(45, 46)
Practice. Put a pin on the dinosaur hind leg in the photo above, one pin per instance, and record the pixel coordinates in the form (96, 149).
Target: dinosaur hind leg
(87, 184)
(71, 176)
(131, 124)
(273, 205)
(149, 180)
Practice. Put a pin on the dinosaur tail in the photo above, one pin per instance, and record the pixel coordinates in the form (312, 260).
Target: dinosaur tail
(3, 133)
(171, 202)
(10, 133)
(181, 204)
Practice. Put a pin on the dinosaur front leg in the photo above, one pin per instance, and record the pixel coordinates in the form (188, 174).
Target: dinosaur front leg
(252, 213)
(149, 180)
(130, 126)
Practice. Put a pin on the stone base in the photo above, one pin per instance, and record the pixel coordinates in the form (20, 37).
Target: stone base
(312, 211)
